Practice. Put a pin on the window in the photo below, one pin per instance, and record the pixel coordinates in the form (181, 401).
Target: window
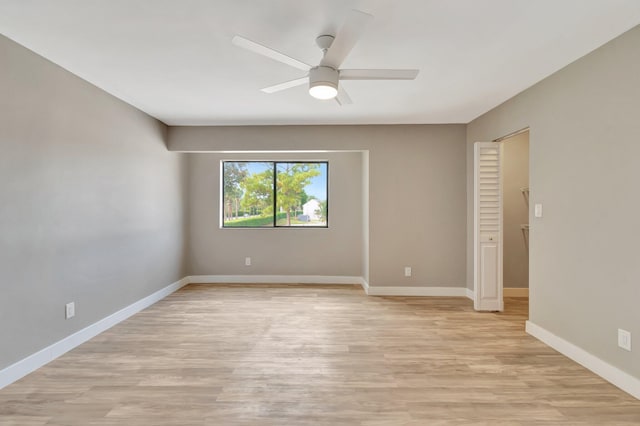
(268, 194)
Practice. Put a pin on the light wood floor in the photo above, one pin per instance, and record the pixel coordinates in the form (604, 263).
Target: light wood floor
(307, 355)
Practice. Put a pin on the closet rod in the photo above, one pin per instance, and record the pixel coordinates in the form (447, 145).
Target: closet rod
(512, 134)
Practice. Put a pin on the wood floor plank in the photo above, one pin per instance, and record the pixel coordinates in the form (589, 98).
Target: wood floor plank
(315, 355)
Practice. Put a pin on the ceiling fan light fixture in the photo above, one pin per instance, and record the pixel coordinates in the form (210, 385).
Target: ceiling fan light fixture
(323, 92)
(323, 82)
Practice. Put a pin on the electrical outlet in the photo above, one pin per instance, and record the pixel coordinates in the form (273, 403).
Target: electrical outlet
(407, 271)
(69, 310)
(247, 261)
(624, 339)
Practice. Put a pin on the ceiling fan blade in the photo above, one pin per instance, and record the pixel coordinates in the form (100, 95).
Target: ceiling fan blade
(378, 74)
(254, 47)
(346, 38)
(343, 97)
(286, 85)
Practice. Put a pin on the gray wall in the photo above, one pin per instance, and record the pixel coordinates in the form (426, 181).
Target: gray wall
(92, 206)
(584, 274)
(333, 251)
(516, 211)
(417, 214)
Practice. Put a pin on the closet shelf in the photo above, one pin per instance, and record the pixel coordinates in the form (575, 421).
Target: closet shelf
(524, 226)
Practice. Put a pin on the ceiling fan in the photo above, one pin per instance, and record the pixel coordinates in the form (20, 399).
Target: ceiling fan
(324, 78)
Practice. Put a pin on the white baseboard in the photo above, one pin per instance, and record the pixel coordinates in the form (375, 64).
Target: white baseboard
(470, 293)
(31, 363)
(329, 279)
(417, 291)
(614, 375)
(365, 285)
(506, 292)
(515, 292)
(274, 279)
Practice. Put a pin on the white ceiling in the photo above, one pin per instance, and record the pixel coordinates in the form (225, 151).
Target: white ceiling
(174, 59)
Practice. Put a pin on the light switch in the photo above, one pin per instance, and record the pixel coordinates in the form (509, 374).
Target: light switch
(538, 210)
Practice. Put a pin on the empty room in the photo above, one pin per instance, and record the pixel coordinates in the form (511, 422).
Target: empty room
(340, 212)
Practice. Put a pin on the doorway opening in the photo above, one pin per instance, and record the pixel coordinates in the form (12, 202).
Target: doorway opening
(515, 214)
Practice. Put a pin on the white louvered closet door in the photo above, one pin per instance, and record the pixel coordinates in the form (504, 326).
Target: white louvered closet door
(488, 226)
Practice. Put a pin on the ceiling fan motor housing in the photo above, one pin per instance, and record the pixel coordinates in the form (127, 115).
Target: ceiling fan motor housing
(323, 76)
(324, 42)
